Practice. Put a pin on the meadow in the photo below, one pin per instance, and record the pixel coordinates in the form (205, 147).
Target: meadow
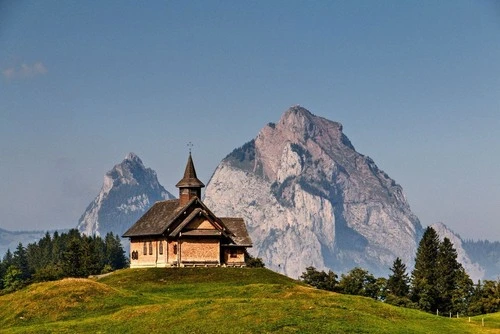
(211, 300)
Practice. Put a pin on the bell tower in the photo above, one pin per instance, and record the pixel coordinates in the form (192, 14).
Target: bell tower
(189, 186)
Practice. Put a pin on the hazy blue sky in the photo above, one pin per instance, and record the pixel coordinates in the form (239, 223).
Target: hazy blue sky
(416, 85)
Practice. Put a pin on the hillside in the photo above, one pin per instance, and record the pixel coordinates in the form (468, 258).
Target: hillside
(210, 300)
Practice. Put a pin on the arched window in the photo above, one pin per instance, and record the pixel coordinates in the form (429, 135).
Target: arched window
(150, 248)
(175, 249)
(145, 248)
(160, 248)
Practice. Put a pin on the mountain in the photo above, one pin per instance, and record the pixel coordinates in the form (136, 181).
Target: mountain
(129, 189)
(473, 268)
(486, 254)
(310, 199)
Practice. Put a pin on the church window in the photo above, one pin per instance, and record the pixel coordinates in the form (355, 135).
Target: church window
(233, 253)
(175, 249)
(150, 248)
(160, 248)
(145, 248)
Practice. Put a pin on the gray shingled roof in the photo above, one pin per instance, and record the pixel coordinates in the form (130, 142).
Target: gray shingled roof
(156, 220)
(238, 229)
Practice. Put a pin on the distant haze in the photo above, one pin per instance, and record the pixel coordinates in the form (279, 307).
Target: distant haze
(416, 86)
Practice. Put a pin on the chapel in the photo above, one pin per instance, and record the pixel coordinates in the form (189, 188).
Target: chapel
(184, 232)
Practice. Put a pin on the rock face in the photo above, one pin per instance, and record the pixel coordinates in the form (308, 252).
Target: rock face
(310, 199)
(129, 189)
(475, 271)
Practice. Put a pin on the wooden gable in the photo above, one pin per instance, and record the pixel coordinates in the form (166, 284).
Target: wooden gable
(196, 217)
(200, 223)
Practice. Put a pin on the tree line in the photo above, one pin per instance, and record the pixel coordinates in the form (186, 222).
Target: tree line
(61, 255)
(438, 283)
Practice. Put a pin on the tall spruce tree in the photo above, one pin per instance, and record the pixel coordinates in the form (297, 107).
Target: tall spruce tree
(20, 260)
(463, 293)
(447, 274)
(423, 277)
(398, 282)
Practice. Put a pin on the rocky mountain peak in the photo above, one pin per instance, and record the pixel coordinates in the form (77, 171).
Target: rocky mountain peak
(305, 184)
(128, 190)
(301, 132)
(133, 157)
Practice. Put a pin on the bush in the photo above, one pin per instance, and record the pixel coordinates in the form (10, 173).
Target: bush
(253, 262)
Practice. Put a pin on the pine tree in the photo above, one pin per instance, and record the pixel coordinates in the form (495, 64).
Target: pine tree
(7, 259)
(447, 274)
(72, 258)
(398, 282)
(20, 260)
(424, 292)
(114, 252)
(462, 295)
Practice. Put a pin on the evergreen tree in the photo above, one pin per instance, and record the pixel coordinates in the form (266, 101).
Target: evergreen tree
(446, 275)
(114, 252)
(7, 259)
(20, 260)
(398, 282)
(72, 258)
(424, 292)
(462, 295)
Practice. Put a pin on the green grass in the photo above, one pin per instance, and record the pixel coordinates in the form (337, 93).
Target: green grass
(210, 300)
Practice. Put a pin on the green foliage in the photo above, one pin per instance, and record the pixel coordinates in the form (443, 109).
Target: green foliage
(20, 260)
(485, 297)
(13, 279)
(320, 279)
(50, 272)
(446, 277)
(360, 282)
(67, 255)
(253, 262)
(398, 282)
(462, 293)
(115, 255)
(424, 292)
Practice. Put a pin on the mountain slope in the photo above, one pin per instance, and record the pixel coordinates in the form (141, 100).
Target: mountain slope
(474, 269)
(129, 189)
(310, 199)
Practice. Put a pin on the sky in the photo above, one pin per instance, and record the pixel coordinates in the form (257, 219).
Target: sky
(416, 85)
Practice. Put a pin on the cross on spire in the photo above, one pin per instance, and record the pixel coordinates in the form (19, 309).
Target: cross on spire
(190, 146)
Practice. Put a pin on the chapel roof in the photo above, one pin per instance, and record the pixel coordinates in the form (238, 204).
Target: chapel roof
(238, 229)
(156, 220)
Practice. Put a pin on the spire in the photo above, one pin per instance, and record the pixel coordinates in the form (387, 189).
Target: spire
(189, 186)
(190, 180)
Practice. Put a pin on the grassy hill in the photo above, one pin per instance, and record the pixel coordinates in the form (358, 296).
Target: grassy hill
(210, 300)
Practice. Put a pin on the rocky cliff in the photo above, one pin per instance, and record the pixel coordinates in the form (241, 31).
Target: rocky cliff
(129, 189)
(310, 199)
